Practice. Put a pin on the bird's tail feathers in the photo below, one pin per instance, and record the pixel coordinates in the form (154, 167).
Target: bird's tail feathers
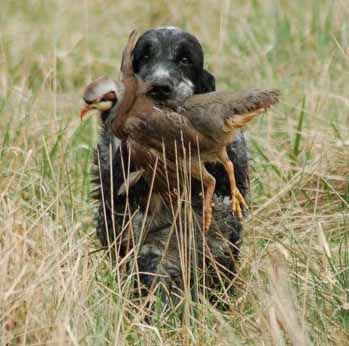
(254, 103)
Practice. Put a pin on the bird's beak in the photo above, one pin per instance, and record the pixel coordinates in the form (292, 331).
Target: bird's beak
(100, 106)
(84, 110)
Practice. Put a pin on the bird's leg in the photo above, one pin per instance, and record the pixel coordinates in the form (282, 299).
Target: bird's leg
(209, 184)
(236, 197)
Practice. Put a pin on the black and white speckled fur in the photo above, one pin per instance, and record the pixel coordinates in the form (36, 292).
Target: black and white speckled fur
(180, 81)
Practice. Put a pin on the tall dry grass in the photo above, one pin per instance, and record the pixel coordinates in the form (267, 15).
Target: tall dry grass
(294, 270)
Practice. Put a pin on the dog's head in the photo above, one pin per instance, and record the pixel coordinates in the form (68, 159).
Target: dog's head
(172, 61)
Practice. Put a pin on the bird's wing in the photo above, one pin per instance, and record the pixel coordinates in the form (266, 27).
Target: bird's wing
(126, 67)
(217, 112)
(161, 126)
(153, 167)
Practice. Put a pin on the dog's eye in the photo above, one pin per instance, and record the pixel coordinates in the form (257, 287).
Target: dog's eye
(146, 52)
(185, 60)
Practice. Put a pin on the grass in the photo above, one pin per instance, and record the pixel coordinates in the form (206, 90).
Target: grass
(294, 270)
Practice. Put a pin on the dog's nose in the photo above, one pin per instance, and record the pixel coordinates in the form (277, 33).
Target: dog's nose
(162, 88)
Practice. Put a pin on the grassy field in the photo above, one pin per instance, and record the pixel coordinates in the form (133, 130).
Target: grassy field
(294, 269)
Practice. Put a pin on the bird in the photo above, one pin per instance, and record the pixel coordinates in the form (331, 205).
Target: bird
(202, 124)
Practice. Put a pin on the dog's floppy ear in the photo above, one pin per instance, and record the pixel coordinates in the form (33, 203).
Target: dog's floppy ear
(206, 83)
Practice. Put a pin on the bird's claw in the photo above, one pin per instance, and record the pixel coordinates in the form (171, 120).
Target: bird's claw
(207, 218)
(236, 203)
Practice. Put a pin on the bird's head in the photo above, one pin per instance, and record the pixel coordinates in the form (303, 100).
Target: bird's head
(103, 94)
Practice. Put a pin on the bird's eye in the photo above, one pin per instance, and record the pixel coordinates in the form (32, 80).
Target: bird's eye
(110, 96)
(185, 60)
(146, 57)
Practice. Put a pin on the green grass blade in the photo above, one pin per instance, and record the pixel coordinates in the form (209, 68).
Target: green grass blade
(6, 140)
(266, 158)
(53, 151)
(298, 137)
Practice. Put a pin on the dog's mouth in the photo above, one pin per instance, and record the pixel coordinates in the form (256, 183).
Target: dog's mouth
(161, 92)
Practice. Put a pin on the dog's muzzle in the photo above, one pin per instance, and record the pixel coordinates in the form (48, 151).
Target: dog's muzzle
(168, 84)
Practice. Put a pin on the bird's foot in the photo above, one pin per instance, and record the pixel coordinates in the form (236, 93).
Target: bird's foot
(207, 217)
(236, 203)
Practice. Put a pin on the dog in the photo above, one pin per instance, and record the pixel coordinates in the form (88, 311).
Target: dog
(172, 61)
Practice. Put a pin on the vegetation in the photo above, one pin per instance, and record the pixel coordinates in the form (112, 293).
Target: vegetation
(293, 281)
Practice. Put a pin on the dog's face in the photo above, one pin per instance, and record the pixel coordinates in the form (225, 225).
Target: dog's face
(171, 60)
